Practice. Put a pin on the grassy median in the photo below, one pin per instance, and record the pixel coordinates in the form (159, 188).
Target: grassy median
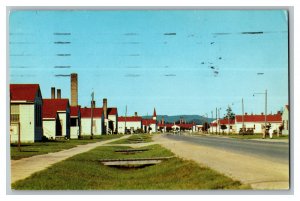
(38, 148)
(85, 172)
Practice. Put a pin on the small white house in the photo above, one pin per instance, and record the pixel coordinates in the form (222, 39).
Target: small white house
(75, 126)
(86, 123)
(225, 125)
(285, 120)
(56, 118)
(25, 113)
(132, 123)
(149, 125)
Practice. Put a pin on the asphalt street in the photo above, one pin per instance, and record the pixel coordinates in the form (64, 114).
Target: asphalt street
(275, 151)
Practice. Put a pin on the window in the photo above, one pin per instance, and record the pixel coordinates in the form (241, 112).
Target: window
(73, 121)
(14, 113)
(287, 124)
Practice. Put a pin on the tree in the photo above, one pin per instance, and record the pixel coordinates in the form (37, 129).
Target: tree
(230, 113)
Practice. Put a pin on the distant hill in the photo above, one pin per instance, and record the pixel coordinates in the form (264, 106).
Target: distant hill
(188, 118)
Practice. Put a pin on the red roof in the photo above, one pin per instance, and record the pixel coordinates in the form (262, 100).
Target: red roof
(259, 118)
(225, 121)
(130, 119)
(23, 92)
(147, 122)
(180, 125)
(112, 111)
(185, 125)
(86, 112)
(213, 124)
(52, 106)
(74, 110)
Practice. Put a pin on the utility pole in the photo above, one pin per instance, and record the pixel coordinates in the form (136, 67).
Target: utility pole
(228, 120)
(266, 95)
(216, 119)
(92, 115)
(125, 119)
(212, 117)
(266, 104)
(219, 120)
(243, 124)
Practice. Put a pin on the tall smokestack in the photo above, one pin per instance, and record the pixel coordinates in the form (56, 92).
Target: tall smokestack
(52, 92)
(58, 94)
(105, 108)
(74, 89)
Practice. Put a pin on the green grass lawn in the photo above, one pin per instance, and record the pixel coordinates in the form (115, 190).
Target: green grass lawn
(255, 136)
(135, 138)
(85, 172)
(38, 148)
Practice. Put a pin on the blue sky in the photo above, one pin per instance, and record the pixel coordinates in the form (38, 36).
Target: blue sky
(180, 62)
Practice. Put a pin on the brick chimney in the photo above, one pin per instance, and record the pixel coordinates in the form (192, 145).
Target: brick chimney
(135, 114)
(105, 108)
(74, 89)
(52, 92)
(162, 120)
(58, 94)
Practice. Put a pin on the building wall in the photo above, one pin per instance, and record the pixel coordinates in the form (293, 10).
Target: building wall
(153, 128)
(49, 128)
(27, 123)
(233, 129)
(258, 126)
(86, 126)
(130, 124)
(285, 121)
(63, 121)
(115, 123)
(74, 132)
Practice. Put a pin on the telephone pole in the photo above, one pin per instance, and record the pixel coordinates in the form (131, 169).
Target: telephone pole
(92, 115)
(266, 104)
(243, 124)
(125, 119)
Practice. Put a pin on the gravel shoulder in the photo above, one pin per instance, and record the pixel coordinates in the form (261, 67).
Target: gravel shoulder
(258, 172)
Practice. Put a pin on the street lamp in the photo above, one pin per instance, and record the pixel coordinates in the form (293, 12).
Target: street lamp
(266, 98)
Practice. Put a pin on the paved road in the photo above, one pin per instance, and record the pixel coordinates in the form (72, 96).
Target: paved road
(275, 151)
(262, 165)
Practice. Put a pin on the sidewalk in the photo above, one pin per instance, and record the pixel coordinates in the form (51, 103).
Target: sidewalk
(23, 168)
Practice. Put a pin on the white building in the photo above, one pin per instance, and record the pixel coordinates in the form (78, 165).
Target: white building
(285, 120)
(75, 124)
(225, 125)
(112, 119)
(257, 122)
(98, 121)
(55, 110)
(150, 125)
(133, 124)
(25, 113)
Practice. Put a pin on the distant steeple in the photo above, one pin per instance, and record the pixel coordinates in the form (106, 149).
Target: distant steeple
(154, 114)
